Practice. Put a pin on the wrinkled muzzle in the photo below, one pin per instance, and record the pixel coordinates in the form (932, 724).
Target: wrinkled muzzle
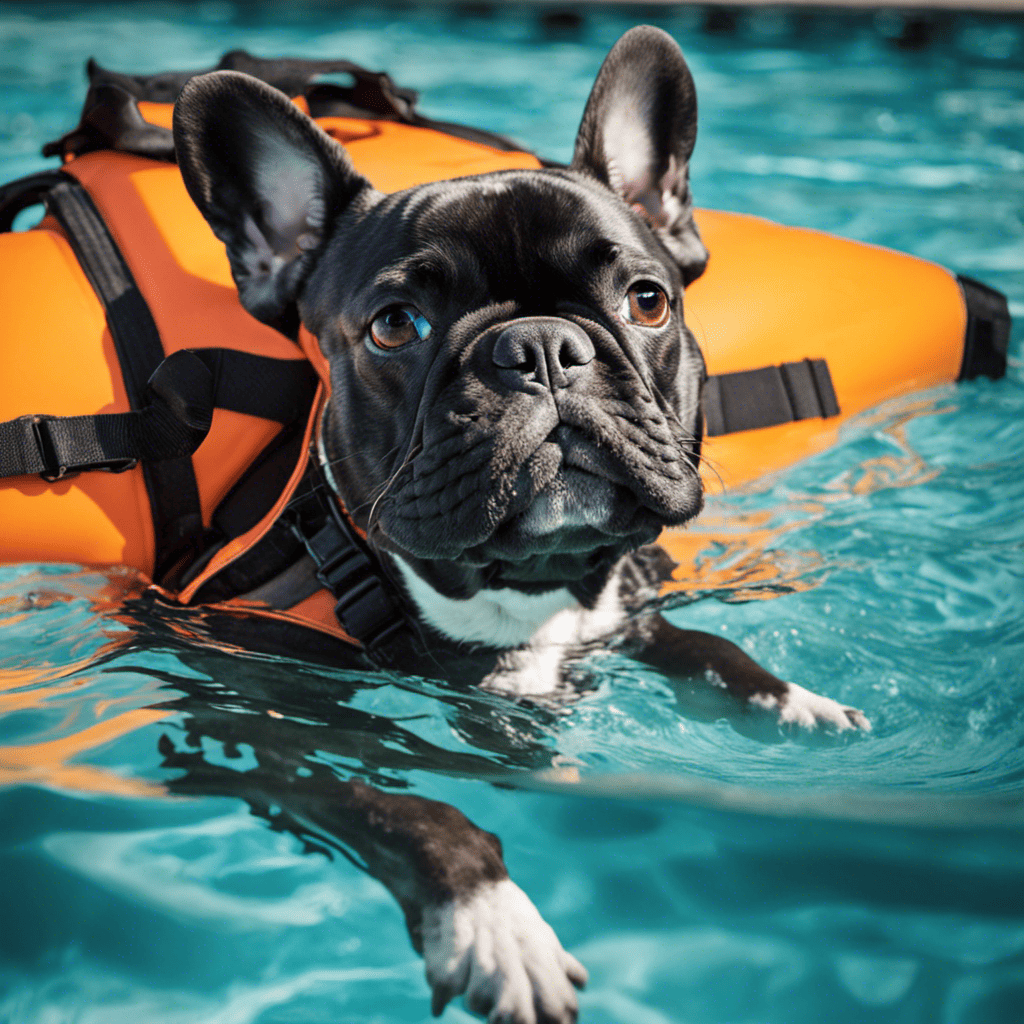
(550, 450)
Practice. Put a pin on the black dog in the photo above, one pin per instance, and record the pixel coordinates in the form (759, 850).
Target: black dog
(514, 416)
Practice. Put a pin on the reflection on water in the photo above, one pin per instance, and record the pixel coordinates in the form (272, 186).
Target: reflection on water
(168, 799)
(643, 837)
(735, 548)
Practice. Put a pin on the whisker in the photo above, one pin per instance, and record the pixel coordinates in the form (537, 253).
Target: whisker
(383, 458)
(331, 463)
(683, 436)
(387, 486)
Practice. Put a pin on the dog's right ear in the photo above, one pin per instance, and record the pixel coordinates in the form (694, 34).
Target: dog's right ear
(268, 181)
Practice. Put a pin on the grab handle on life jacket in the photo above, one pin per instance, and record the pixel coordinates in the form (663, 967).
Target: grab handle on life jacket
(113, 119)
(19, 195)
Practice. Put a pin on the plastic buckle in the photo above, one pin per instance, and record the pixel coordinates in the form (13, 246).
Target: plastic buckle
(364, 608)
(367, 613)
(56, 470)
(47, 452)
(336, 557)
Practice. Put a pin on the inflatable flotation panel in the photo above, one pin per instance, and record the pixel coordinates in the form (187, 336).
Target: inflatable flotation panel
(123, 334)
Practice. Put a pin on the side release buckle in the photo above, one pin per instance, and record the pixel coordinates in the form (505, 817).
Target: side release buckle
(364, 607)
(55, 466)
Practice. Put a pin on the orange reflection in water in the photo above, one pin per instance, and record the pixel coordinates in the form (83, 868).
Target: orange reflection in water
(740, 552)
(52, 763)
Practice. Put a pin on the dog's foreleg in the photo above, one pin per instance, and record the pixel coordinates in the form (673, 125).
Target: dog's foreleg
(479, 934)
(713, 678)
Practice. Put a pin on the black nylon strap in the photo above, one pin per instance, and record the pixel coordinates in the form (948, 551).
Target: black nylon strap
(182, 394)
(57, 446)
(273, 389)
(173, 424)
(135, 334)
(768, 396)
(170, 484)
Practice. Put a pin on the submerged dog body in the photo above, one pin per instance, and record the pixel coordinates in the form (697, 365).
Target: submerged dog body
(514, 412)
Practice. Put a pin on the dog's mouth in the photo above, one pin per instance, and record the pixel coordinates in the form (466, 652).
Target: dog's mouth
(571, 506)
(583, 502)
(578, 521)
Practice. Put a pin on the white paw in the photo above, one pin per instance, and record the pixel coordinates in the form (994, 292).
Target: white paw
(806, 710)
(496, 948)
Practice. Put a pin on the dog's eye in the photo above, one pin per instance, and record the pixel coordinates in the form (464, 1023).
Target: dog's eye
(397, 326)
(646, 304)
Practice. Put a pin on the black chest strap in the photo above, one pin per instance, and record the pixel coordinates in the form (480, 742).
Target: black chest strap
(180, 397)
(368, 607)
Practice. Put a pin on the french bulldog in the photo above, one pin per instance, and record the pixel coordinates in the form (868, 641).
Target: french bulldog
(514, 416)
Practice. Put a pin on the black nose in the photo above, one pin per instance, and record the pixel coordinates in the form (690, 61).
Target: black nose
(543, 350)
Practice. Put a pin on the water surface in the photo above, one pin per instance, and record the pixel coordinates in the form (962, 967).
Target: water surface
(701, 876)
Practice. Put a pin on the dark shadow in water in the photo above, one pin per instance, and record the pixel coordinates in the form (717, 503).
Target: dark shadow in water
(281, 736)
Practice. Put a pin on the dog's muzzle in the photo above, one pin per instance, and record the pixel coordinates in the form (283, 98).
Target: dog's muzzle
(547, 440)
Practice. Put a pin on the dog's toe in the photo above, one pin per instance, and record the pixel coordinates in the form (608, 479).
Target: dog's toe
(800, 708)
(858, 719)
(495, 948)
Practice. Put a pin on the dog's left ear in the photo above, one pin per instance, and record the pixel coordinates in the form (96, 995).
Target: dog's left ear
(637, 134)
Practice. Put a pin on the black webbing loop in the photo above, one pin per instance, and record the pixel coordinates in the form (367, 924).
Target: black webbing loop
(987, 335)
(19, 195)
(768, 396)
(111, 120)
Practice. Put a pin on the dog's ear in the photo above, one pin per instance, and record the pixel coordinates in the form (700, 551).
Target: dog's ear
(267, 180)
(637, 134)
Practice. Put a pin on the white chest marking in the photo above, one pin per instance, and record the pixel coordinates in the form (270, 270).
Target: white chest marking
(536, 631)
(498, 618)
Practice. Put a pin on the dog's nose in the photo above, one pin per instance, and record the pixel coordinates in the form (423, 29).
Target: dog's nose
(543, 350)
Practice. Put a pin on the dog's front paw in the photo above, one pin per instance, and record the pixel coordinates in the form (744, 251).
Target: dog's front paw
(496, 948)
(802, 709)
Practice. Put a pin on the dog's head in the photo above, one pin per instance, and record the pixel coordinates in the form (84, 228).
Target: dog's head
(514, 393)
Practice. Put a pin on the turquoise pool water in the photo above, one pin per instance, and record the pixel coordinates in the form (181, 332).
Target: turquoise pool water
(702, 877)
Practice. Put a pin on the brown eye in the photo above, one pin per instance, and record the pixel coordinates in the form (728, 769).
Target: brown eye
(646, 304)
(397, 326)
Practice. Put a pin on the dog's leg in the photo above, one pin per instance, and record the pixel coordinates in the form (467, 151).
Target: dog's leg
(713, 678)
(479, 934)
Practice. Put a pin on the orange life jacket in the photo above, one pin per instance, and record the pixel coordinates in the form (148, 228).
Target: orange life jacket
(800, 331)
